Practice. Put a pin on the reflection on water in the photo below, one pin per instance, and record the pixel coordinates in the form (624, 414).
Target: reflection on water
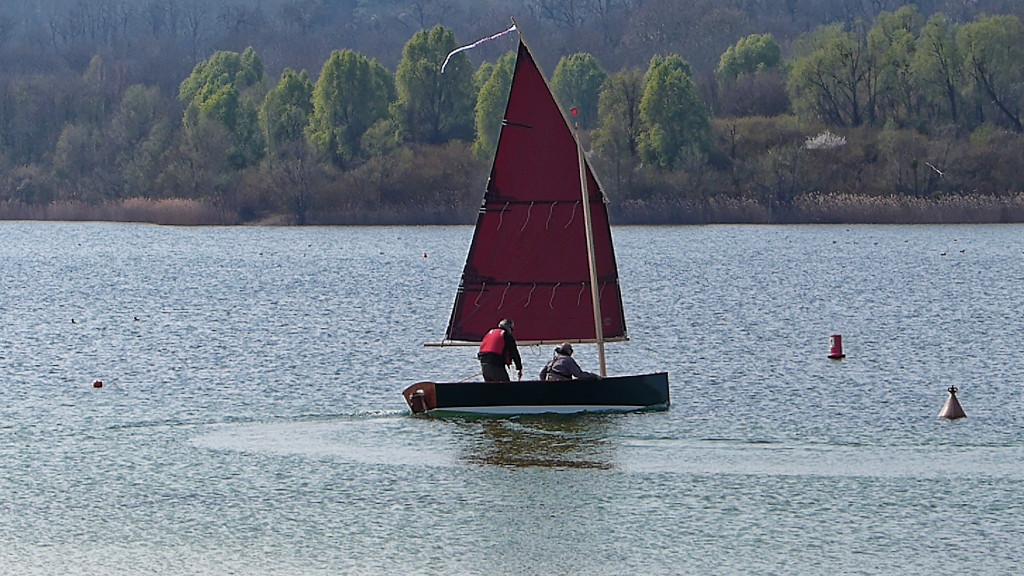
(549, 441)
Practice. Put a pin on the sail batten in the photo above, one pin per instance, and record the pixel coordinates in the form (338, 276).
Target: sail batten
(529, 245)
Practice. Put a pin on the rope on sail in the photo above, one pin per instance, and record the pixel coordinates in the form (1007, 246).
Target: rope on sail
(501, 215)
(572, 217)
(474, 45)
(527, 221)
(551, 302)
(483, 288)
(502, 303)
(551, 212)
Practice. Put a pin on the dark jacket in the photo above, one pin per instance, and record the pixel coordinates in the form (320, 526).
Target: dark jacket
(563, 367)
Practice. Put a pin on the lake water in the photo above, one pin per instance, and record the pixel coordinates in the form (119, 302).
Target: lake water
(250, 420)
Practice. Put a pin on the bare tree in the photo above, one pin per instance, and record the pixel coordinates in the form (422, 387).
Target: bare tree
(195, 21)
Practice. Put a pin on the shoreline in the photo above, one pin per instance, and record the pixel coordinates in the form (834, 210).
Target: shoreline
(805, 209)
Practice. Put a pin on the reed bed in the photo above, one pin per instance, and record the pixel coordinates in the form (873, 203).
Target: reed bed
(830, 208)
(168, 211)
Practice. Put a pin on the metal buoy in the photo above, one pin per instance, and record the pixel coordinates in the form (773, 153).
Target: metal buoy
(97, 384)
(952, 409)
(835, 342)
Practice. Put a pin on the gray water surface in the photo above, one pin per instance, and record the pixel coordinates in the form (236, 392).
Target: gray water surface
(250, 420)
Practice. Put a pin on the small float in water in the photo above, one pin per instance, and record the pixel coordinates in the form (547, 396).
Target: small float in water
(952, 410)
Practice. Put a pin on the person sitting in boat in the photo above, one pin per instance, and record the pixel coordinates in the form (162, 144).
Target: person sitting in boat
(498, 350)
(563, 367)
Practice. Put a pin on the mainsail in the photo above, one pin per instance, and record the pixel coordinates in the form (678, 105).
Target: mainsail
(528, 259)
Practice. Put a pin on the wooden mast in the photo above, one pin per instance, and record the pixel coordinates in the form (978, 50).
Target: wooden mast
(595, 293)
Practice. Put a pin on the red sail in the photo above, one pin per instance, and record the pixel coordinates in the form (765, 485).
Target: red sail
(528, 260)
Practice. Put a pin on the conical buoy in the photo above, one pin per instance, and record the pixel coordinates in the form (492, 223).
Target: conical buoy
(835, 342)
(952, 409)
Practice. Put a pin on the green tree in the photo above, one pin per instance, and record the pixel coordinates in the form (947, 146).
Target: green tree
(491, 103)
(203, 167)
(675, 119)
(223, 105)
(352, 94)
(482, 75)
(892, 42)
(84, 154)
(577, 84)
(938, 66)
(79, 162)
(248, 146)
(96, 93)
(251, 72)
(753, 54)
(140, 133)
(222, 69)
(751, 78)
(830, 79)
(433, 107)
(993, 49)
(286, 172)
(224, 89)
(33, 112)
(620, 124)
(286, 110)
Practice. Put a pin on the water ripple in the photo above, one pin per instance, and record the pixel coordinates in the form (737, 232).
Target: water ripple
(250, 420)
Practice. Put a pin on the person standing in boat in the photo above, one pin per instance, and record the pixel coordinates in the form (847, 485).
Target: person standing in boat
(498, 350)
(563, 367)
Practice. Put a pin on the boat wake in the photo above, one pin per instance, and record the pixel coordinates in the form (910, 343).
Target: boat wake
(720, 457)
(384, 439)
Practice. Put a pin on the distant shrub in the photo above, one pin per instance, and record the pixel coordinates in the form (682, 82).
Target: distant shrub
(755, 135)
(824, 141)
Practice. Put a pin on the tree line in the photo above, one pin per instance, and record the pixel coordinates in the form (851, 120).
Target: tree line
(903, 118)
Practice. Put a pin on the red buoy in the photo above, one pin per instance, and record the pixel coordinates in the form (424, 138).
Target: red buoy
(835, 342)
(97, 384)
(952, 409)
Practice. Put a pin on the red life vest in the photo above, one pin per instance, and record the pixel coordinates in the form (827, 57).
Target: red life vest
(493, 342)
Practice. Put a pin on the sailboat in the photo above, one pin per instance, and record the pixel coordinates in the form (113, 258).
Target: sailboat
(541, 255)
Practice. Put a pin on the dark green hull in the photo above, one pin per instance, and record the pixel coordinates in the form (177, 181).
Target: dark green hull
(611, 394)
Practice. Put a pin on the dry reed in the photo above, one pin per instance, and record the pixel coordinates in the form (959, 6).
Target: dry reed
(169, 211)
